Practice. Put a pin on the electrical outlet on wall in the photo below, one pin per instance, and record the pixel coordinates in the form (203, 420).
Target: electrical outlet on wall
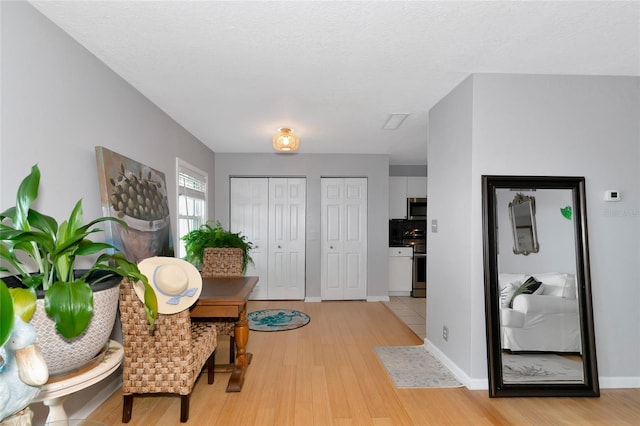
(445, 333)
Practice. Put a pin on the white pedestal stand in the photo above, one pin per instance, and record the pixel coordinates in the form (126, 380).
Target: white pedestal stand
(55, 391)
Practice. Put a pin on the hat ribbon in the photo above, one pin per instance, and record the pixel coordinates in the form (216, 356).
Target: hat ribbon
(174, 299)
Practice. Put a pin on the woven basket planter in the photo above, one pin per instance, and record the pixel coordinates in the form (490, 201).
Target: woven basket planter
(64, 355)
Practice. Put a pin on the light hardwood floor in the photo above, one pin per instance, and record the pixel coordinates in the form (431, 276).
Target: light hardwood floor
(327, 373)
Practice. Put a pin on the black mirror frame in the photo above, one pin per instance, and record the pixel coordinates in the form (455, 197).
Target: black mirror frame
(497, 387)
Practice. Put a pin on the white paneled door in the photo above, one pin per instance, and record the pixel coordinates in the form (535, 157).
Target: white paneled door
(271, 213)
(287, 201)
(250, 216)
(344, 238)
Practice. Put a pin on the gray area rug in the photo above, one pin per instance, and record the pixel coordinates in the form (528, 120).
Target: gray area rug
(527, 368)
(415, 367)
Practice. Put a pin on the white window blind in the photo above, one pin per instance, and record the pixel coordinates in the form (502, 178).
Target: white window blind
(192, 201)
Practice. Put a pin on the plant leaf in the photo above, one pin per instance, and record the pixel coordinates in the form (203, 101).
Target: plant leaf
(9, 257)
(150, 304)
(130, 270)
(24, 302)
(33, 280)
(9, 213)
(70, 305)
(27, 192)
(150, 301)
(6, 313)
(75, 220)
(89, 247)
(24, 239)
(45, 223)
(107, 219)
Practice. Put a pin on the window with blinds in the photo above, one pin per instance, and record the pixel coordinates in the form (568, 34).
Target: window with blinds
(192, 201)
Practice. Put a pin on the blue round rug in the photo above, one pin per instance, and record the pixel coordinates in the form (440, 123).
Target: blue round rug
(277, 319)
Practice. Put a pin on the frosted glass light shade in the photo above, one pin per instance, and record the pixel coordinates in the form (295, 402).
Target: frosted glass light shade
(285, 140)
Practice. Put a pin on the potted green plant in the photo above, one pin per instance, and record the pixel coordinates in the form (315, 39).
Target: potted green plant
(214, 236)
(32, 241)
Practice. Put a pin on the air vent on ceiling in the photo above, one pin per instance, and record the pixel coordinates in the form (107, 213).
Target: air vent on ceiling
(395, 120)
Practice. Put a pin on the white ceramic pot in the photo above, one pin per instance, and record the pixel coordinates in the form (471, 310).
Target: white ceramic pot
(66, 355)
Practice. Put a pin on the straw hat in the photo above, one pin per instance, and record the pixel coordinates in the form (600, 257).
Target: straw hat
(176, 282)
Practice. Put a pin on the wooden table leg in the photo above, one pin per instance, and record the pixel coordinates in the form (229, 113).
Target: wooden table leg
(243, 359)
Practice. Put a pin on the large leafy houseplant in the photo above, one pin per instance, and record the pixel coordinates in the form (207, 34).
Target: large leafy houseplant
(214, 236)
(52, 249)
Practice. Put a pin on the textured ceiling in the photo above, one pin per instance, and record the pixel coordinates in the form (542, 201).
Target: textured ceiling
(233, 72)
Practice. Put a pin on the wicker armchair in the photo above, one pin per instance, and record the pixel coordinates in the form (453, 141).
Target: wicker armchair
(167, 360)
(223, 262)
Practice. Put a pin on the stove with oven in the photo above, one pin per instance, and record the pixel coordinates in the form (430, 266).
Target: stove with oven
(417, 239)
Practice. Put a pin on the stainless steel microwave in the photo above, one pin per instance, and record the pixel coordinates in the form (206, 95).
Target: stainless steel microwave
(417, 208)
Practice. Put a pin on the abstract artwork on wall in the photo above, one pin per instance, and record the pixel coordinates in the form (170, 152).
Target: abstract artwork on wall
(136, 194)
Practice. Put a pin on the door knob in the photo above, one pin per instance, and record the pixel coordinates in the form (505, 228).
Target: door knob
(331, 247)
(279, 246)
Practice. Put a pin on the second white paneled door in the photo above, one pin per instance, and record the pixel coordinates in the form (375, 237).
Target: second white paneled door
(287, 201)
(344, 238)
(270, 212)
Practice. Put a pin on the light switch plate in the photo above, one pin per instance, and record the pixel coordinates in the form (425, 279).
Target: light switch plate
(434, 225)
(611, 195)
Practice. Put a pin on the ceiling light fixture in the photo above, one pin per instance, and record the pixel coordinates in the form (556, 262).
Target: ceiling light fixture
(285, 140)
(394, 121)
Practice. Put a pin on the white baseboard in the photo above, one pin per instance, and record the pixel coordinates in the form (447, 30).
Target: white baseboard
(400, 293)
(483, 384)
(619, 382)
(469, 382)
(369, 299)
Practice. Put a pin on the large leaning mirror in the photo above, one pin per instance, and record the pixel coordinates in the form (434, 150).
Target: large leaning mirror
(540, 334)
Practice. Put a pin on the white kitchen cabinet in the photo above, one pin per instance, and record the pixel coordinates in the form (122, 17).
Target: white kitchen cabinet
(417, 186)
(397, 197)
(401, 188)
(400, 271)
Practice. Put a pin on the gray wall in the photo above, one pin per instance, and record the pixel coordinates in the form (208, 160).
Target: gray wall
(58, 102)
(547, 125)
(449, 300)
(314, 166)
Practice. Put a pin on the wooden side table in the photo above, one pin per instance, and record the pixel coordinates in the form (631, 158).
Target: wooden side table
(227, 298)
(55, 391)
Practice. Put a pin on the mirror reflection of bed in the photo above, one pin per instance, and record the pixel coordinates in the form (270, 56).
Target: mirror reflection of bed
(539, 318)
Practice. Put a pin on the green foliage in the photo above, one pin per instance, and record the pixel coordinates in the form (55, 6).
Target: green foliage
(207, 236)
(6, 313)
(53, 250)
(70, 305)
